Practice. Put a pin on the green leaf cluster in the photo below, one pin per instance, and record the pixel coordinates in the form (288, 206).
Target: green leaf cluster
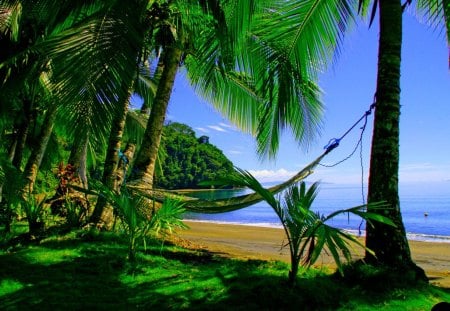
(189, 160)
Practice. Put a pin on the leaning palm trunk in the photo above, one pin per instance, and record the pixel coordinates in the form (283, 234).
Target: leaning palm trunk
(389, 243)
(144, 165)
(21, 131)
(35, 159)
(103, 212)
(78, 157)
(124, 163)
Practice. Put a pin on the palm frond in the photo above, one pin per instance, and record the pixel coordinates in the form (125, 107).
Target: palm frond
(93, 64)
(145, 85)
(10, 14)
(135, 126)
(306, 32)
(289, 45)
(168, 218)
(436, 13)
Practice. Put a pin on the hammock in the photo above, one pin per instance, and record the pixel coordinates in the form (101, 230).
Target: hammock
(230, 204)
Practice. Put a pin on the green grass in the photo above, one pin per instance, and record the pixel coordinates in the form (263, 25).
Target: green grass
(89, 271)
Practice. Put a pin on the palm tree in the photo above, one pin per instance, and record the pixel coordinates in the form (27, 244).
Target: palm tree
(85, 79)
(261, 94)
(146, 157)
(390, 244)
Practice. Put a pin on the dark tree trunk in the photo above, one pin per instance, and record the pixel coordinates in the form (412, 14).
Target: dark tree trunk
(21, 130)
(78, 157)
(103, 213)
(35, 159)
(144, 166)
(124, 164)
(389, 244)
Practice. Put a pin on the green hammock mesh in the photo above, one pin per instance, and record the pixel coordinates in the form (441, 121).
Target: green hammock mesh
(230, 204)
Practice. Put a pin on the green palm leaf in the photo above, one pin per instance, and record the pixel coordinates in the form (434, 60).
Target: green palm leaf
(437, 14)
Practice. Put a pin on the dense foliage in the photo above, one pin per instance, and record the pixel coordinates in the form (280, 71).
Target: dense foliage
(189, 160)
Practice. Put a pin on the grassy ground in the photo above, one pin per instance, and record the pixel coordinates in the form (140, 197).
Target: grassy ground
(89, 271)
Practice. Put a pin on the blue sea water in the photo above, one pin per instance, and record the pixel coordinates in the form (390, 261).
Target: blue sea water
(425, 209)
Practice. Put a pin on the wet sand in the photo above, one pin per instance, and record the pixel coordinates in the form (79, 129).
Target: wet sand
(250, 242)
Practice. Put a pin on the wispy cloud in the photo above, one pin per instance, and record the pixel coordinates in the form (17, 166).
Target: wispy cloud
(234, 152)
(272, 175)
(228, 126)
(202, 129)
(424, 172)
(217, 128)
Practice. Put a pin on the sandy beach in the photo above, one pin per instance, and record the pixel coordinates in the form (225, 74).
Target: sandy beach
(250, 242)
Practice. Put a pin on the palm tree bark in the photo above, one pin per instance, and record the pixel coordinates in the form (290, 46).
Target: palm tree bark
(124, 163)
(144, 166)
(35, 159)
(21, 134)
(103, 213)
(78, 157)
(389, 243)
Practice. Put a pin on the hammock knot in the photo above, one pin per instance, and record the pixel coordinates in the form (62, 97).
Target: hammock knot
(369, 112)
(333, 143)
(123, 157)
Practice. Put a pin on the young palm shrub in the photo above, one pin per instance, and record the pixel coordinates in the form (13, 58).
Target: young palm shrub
(140, 219)
(34, 209)
(308, 232)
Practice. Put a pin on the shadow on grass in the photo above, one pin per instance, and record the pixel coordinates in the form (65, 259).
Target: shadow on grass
(67, 273)
(90, 272)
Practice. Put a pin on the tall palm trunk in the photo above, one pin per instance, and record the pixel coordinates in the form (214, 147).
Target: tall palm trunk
(103, 213)
(389, 244)
(21, 131)
(123, 165)
(78, 157)
(35, 159)
(144, 166)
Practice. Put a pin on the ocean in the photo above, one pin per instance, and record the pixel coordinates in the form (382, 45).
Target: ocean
(425, 209)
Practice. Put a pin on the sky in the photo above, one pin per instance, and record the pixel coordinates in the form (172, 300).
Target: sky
(348, 86)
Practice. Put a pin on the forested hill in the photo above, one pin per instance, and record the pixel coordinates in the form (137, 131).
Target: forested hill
(187, 160)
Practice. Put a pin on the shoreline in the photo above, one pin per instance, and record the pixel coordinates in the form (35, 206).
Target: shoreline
(266, 243)
(420, 237)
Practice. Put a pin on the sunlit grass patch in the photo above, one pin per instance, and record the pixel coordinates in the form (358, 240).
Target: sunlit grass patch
(9, 286)
(48, 257)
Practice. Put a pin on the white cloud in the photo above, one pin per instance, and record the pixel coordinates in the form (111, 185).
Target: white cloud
(228, 126)
(424, 172)
(202, 129)
(234, 152)
(217, 128)
(272, 175)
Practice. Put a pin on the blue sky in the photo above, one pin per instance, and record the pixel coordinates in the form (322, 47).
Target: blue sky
(348, 88)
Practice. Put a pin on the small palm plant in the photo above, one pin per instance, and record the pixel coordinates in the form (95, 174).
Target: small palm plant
(34, 209)
(140, 219)
(307, 231)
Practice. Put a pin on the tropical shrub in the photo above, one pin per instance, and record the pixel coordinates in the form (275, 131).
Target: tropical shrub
(141, 218)
(307, 231)
(34, 209)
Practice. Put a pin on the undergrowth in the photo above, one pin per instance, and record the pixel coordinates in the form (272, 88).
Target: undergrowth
(88, 270)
